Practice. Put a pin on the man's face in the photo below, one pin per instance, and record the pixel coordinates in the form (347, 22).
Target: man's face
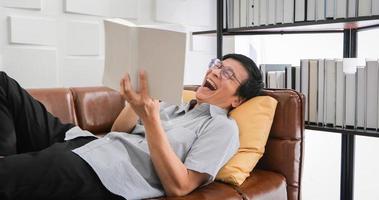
(220, 91)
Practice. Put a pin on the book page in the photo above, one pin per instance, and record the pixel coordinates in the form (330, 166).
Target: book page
(162, 54)
(120, 53)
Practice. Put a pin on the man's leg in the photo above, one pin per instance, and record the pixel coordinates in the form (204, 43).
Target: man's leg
(25, 124)
(53, 173)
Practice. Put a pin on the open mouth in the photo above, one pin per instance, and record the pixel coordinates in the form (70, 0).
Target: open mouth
(210, 85)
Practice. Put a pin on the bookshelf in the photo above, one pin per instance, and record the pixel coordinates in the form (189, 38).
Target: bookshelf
(346, 26)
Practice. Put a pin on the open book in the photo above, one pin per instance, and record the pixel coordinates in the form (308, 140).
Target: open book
(160, 51)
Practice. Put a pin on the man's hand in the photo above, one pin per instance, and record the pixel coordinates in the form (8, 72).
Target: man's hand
(141, 102)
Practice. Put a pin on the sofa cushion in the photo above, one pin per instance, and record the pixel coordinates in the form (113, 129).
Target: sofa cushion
(97, 108)
(264, 185)
(254, 118)
(58, 101)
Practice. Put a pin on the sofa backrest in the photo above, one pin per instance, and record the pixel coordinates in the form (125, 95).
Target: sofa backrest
(58, 101)
(284, 148)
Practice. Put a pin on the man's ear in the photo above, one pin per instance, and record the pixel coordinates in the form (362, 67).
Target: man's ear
(237, 101)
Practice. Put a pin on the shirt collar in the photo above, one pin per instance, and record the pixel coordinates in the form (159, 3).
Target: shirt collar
(213, 110)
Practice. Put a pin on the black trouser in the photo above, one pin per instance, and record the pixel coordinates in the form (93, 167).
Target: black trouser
(38, 164)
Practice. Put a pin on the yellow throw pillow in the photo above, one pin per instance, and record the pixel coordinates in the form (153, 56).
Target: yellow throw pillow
(188, 95)
(254, 119)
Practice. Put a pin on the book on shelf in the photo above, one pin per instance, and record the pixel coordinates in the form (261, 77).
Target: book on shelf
(340, 9)
(311, 10)
(330, 92)
(300, 10)
(263, 7)
(243, 13)
(375, 7)
(352, 8)
(288, 11)
(160, 51)
(329, 9)
(364, 8)
(279, 10)
(320, 91)
(304, 73)
(350, 94)
(256, 13)
(320, 9)
(230, 13)
(372, 70)
(312, 89)
(290, 77)
(236, 14)
(361, 97)
(250, 12)
(271, 12)
(340, 93)
(271, 79)
(297, 78)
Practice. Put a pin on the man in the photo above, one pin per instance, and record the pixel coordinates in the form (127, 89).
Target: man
(171, 150)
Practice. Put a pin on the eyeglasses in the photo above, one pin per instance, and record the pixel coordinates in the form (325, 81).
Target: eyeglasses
(225, 72)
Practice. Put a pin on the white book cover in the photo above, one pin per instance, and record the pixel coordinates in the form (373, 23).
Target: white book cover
(329, 8)
(311, 10)
(299, 10)
(330, 92)
(312, 101)
(340, 9)
(350, 99)
(372, 94)
(288, 13)
(304, 68)
(364, 8)
(271, 12)
(243, 13)
(279, 11)
(352, 8)
(361, 97)
(263, 15)
(250, 12)
(340, 93)
(280, 79)
(290, 76)
(256, 13)
(236, 14)
(230, 13)
(272, 79)
(320, 9)
(161, 52)
(320, 91)
(297, 79)
(375, 7)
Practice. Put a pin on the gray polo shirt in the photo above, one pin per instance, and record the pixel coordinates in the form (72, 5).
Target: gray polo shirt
(204, 139)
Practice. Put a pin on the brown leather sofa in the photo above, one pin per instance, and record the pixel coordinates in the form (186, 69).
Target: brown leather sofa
(277, 176)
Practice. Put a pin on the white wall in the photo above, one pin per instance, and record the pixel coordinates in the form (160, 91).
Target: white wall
(54, 43)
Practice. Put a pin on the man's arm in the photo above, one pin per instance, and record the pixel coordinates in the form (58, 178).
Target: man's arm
(176, 179)
(126, 120)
